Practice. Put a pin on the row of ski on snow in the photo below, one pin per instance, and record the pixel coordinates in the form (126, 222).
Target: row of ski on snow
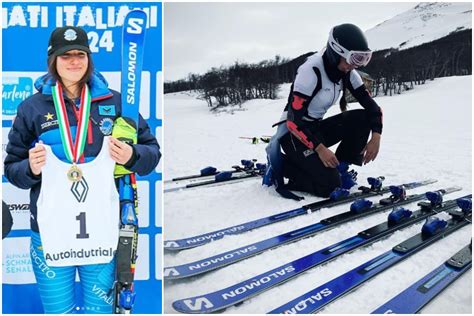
(411, 300)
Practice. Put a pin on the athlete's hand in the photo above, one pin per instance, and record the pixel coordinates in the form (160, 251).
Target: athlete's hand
(37, 158)
(120, 152)
(371, 150)
(328, 158)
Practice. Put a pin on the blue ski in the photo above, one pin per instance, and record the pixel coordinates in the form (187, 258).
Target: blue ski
(221, 178)
(433, 230)
(414, 298)
(358, 209)
(244, 290)
(196, 241)
(125, 129)
(211, 171)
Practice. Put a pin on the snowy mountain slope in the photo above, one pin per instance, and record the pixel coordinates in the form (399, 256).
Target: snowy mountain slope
(424, 23)
(427, 134)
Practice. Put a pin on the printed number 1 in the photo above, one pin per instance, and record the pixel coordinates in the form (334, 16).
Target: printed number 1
(82, 226)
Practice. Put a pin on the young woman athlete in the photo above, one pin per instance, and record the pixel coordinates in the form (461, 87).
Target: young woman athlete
(305, 135)
(61, 149)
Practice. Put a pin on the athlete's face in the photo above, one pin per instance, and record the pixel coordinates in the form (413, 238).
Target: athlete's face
(344, 66)
(72, 66)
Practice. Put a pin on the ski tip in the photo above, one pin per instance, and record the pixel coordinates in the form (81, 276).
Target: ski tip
(181, 272)
(176, 249)
(172, 245)
(193, 305)
(453, 189)
(172, 190)
(136, 13)
(171, 273)
(180, 307)
(416, 184)
(428, 181)
(178, 245)
(173, 249)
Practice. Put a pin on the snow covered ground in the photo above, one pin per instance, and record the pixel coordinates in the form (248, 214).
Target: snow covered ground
(427, 134)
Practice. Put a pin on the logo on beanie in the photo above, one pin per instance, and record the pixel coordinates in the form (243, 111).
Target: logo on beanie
(70, 35)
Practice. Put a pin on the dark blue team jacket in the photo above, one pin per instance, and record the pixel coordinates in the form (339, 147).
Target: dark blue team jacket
(37, 120)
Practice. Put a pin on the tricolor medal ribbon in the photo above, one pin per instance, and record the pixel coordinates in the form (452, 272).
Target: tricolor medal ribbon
(72, 150)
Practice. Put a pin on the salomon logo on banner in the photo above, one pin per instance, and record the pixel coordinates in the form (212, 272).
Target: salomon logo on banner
(80, 189)
(198, 304)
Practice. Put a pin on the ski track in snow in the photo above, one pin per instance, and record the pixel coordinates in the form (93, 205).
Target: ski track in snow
(427, 134)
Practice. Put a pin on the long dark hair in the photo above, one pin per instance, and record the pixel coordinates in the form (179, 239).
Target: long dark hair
(343, 101)
(52, 62)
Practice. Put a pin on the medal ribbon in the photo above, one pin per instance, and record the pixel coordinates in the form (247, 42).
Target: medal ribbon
(72, 150)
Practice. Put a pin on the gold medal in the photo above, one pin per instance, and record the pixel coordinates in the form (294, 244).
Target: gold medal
(74, 173)
(72, 150)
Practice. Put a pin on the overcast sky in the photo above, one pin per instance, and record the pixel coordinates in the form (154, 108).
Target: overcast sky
(198, 36)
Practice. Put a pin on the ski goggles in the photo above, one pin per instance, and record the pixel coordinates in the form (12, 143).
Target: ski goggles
(355, 58)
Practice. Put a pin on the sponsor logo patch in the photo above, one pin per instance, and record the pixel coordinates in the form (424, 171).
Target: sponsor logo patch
(106, 125)
(107, 110)
(50, 121)
(80, 189)
(49, 116)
